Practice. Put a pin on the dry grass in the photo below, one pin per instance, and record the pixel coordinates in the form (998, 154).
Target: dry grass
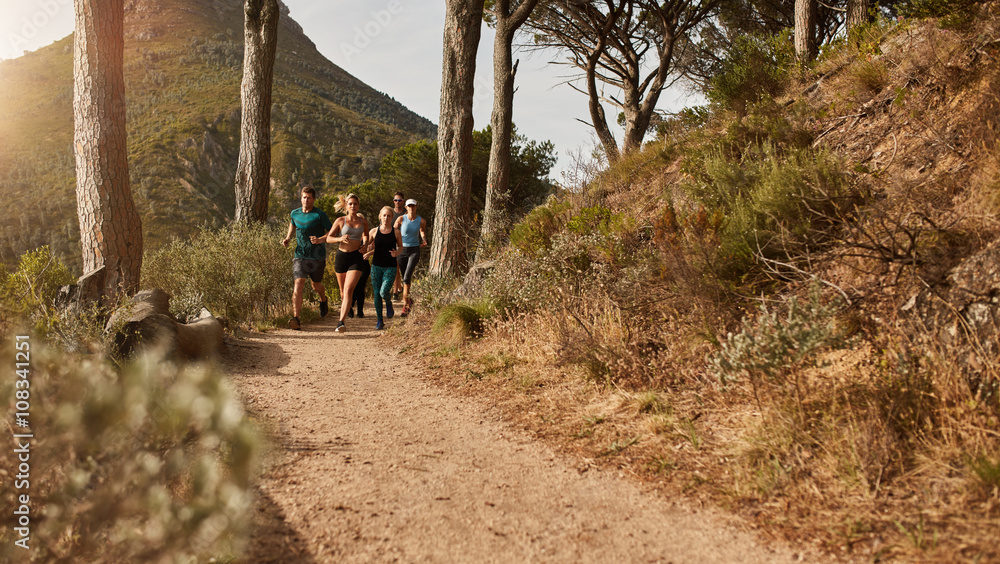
(886, 452)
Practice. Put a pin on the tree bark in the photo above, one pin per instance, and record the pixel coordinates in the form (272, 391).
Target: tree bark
(253, 171)
(110, 227)
(452, 223)
(146, 325)
(858, 13)
(805, 23)
(497, 209)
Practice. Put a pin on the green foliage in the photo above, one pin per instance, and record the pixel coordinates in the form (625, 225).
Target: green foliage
(464, 320)
(768, 203)
(953, 13)
(533, 234)
(986, 470)
(413, 170)
(152, 464)
(772, 350)
(754, 67)
(240, 271)
(27, 294)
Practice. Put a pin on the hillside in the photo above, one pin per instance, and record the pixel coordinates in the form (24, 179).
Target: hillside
(786, 305)
(183, 67)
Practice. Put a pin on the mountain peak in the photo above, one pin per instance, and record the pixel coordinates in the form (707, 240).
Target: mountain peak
(183, 66)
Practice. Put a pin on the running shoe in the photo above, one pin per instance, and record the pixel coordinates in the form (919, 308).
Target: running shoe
(341, 328)
(379, 325)
(324, 308)
(294, 324)
(395, 297)
(406, 311)
(389, 312)
(361, 310)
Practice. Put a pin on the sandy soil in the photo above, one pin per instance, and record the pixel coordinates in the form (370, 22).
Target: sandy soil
(372, 462)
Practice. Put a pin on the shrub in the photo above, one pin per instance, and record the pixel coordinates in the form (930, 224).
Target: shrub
(463, 320)
(240, 271)
(27, 294)
(773, 350)
(533, 234)
(871, 75)
(953, 13)
(754, 67)
(152, 464)
(770, 203)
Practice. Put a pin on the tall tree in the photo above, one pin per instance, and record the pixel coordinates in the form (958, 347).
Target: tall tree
(628, 45)
(805, 29)
(508, 16)
(859, 12)
(452, 222)
(110, 227)
(253, 171)
(721, 36)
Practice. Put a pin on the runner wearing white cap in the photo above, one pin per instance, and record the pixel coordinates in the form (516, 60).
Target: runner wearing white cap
(411, 227)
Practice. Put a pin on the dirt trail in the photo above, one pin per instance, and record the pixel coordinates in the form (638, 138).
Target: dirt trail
(373, 463)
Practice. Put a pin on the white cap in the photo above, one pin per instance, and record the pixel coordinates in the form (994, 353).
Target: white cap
(411, 202)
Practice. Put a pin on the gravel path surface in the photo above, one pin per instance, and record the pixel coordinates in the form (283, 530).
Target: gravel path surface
(370, 462)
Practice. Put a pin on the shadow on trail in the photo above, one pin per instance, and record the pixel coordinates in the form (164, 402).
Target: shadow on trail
(236, 363)
(272, 539)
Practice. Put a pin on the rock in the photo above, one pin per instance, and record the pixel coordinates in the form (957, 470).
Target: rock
(472, 285)
(965, 311)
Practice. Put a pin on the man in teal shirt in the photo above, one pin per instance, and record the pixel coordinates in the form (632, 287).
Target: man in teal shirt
(310, 259)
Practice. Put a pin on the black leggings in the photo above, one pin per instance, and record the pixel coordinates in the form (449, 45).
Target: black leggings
(407, 261)
(362, 287)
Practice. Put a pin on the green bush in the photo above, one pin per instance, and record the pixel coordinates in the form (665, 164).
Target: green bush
(772, 203)
(754, 68)
(953, 13)
(152, 464)
(464, 320)
(27, 294)
(532, 235)
(241, 271)
(772, 350)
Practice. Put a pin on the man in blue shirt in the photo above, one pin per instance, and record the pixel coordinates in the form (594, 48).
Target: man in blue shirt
(310, 259)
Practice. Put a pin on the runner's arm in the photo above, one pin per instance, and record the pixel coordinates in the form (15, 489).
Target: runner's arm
(288, 236)
(329, 237)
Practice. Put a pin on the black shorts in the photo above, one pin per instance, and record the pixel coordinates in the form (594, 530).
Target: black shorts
(308, 268)
(348, 261)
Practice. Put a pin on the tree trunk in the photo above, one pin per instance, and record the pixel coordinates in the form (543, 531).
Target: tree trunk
(597, 116)
(463, 21)
(805, 23)
(496, 213)
(110, 227)
(858, 13)
(146, 325)
(253, 172)
(639, 111)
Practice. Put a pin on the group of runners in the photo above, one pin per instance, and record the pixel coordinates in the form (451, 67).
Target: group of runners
(393, 247)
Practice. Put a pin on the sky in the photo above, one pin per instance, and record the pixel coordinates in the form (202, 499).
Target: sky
(395, 47)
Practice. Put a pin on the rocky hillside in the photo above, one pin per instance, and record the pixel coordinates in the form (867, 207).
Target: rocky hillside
(183, 64)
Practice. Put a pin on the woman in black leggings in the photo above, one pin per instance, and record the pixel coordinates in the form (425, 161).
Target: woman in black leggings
(411, 229)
